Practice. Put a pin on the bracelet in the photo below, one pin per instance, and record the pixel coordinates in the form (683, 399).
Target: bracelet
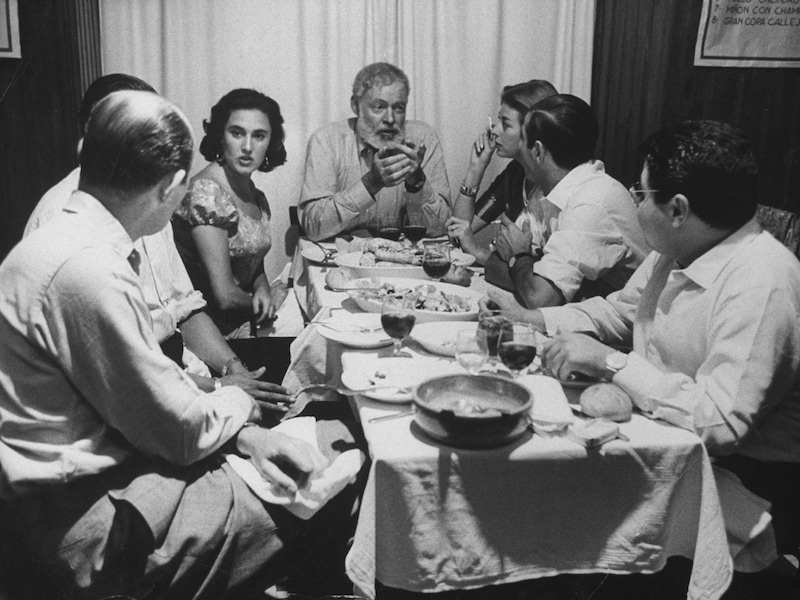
(217, 383)
(471, 192)
(229, 363)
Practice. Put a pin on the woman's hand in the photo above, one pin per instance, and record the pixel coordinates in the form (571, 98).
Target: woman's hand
(482, 150)
(287, 461)
(264, 308)
(270, 396)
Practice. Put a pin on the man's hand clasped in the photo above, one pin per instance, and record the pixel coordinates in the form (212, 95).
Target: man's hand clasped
(398, 163)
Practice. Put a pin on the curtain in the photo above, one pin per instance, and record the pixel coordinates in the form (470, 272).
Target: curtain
(458, 54)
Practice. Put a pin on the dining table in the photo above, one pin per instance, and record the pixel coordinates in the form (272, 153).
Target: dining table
(435, 517)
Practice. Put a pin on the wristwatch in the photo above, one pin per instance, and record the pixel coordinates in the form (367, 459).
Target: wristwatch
(513, 260)
(615, 362)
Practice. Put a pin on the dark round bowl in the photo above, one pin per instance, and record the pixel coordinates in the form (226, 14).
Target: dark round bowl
(472, 411)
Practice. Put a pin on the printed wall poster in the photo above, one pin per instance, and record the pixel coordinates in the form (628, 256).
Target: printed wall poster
(9, 30)
(749, 33)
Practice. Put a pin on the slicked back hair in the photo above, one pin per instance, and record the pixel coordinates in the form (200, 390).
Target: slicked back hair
(105, 85)
(133, 140)
(567, 127)
(711, 164)
(522, 96)
(377, 73)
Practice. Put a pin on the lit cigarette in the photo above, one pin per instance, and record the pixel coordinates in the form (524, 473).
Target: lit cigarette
(490, 122)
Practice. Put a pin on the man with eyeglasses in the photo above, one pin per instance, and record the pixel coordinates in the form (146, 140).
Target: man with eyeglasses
(712, 315)
(581, 238)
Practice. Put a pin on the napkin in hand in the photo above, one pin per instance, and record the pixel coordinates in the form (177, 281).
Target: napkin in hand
(320, 488)
(550, 411)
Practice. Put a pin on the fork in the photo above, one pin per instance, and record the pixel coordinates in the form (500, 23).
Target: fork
(327, 252)
(346, 391)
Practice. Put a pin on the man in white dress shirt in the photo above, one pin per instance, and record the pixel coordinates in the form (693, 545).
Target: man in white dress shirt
(713, 315)
(583, 228)
(112, 459)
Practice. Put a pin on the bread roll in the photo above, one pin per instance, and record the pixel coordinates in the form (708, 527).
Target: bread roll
(458, 275)
(336, 279)
(608, 401)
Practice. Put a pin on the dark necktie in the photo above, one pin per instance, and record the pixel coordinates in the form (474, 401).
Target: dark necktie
(135, 259)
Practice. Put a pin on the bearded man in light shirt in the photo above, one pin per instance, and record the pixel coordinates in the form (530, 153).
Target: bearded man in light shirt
(113, 473)
(378, 161)
(176, 308)
(713, 315)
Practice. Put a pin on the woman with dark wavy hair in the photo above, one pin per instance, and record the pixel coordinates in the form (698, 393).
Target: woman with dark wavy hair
(222, 228)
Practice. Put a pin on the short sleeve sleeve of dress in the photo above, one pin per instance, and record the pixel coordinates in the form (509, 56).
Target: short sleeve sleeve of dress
(206, 203)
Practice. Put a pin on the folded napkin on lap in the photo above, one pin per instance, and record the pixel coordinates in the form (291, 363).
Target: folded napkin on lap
(320, 488)
(550, 411)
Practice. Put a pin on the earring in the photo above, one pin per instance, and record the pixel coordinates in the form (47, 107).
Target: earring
(219, 158)
(265, 164)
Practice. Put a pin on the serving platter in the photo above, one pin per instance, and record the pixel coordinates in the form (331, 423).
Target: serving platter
(370, 297)
(439, 337)
(351, 261)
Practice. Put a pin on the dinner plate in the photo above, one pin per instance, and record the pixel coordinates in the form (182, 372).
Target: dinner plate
(439, 337)
(372, 302)
(314, 254)
(371, 371)
(352, 260)
(344, 331)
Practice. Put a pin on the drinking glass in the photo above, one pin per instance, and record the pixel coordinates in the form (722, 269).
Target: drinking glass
(471, 349)
(436, 260)
(372, 221)
(492, 322)
(389, 227)
(397, 319)
(414, 227)
(516, 346)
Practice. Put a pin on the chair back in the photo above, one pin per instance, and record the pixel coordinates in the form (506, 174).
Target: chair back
(784, 226)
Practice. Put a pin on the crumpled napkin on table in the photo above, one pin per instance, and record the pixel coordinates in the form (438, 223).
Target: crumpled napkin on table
(321, 488)
(550, 411)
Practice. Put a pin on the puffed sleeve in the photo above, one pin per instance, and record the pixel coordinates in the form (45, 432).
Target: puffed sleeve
(206, 203)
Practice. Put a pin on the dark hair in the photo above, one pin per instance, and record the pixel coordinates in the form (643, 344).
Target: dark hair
(567, 127)
(708, 162)
(382, 72)
(105, 85)
(133, 140)
(245, 99)
(522, 96)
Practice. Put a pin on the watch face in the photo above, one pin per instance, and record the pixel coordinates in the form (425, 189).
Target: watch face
(616, 361)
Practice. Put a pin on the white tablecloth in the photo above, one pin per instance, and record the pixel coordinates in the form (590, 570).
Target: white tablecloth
(435, 518)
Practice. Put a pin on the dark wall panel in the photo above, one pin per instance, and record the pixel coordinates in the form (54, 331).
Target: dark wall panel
(644, 78)
(39, 98)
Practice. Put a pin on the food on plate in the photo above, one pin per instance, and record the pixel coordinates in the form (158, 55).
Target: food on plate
(337, 279)
(397, 256)
(428, 297)
(608, 401)
(381, 252)
(458, 275)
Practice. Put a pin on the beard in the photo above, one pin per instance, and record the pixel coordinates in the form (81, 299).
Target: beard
(379, 137)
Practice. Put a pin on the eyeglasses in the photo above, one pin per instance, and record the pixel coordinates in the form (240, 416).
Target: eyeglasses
(638, 194)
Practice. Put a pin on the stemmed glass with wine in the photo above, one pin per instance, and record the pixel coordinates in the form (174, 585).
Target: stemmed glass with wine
(389, 227)
(516, 346)
(436, 260)
(492, 322)
(414, 226)
(397, 319)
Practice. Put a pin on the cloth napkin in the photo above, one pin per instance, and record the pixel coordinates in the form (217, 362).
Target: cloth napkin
(550, 411)
(320, 488)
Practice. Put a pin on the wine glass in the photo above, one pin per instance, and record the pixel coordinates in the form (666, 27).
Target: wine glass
(397, 319)
(516, 346)
(372, 221)
(414, 227)
(389, 227)
(436, 260)
(471, 349)
(492, 322)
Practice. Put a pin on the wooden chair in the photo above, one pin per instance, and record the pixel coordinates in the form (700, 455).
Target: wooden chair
(784, 225)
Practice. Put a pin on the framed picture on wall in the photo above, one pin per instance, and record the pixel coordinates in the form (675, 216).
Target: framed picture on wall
(9, 30)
